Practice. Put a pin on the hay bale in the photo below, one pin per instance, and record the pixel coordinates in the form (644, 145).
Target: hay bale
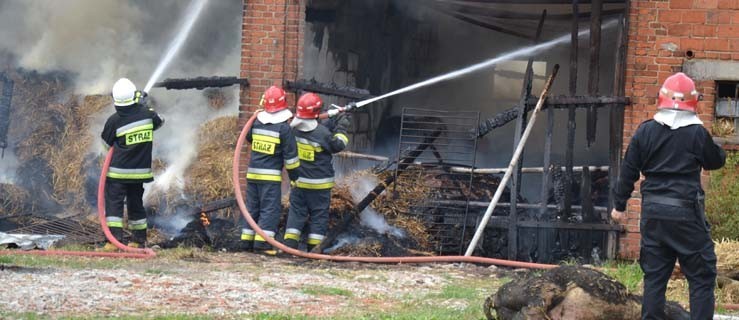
(209, 177)
(726, 253)
(13, 200)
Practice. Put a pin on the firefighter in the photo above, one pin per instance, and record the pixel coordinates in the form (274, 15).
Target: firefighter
(272, 147)
(130, 132)
(310, 196)
(670, 150)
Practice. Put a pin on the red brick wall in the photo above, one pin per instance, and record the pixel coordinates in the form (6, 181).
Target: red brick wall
(271, 52)
(660, 34)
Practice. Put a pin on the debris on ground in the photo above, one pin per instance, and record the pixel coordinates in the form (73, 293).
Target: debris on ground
(569, 292)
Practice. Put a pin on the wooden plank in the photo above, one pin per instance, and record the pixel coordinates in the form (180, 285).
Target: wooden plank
(570, 146)
(520, 126)
(566, 101)
(523, 170)
(594, 70)
(482, 204)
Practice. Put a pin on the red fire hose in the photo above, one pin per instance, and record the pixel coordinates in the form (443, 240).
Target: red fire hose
(128, 251)
(275, 243)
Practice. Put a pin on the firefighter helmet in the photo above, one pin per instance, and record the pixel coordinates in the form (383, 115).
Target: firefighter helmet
(274, 99)
(678, 92)
(309, 106)
(124, 93)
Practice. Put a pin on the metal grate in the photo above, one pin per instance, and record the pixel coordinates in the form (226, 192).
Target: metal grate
(76, 229)
(437, 140)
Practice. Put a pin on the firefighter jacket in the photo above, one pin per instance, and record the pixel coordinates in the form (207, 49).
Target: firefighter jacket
(130, 131)
(315, 149)
(272, 145)
(671, 161)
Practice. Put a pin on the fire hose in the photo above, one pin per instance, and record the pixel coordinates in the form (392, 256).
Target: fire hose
(128, 252)
(242, 207)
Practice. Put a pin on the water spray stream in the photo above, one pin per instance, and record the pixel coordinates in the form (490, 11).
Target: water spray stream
(485, 64)
(192, 14)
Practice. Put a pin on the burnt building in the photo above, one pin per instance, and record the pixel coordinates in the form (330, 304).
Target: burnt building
(614, 56)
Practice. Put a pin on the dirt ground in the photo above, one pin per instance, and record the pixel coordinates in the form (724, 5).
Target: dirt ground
(193, 283)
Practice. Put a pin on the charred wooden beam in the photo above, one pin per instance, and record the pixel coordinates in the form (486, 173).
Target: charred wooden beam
(200, 83)
(328, 89)
(594, 70)
(5, 100)
(582, 101)
(557, 102)
(524, 169)
(216, 205)
(571, 124)
(496, 13)
(521, 121)
(483, 204)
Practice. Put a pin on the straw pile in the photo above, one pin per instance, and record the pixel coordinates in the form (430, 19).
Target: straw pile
(50, 133)
(209, 177)
(727, 252)
(13, 200)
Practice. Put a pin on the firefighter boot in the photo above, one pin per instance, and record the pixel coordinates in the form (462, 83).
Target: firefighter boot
(292, 243)
(139, 239)
(118, 235)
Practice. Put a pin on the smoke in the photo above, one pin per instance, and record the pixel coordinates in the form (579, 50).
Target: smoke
(369, 217)
(8, 166)
(99, 41)
(102, 40)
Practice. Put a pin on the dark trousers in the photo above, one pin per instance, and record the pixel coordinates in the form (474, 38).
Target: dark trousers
(671, 233)
(131, 194)
(310, 206)
(263, 202)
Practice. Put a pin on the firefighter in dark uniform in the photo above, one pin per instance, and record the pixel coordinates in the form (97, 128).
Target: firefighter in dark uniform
(130, 131)
(310, 197)
(272, 147)
(670, 151)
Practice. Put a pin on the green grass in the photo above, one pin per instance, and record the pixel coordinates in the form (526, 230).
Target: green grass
(26, 260)
(32, 316)
(722, 199)
(628, 273)
(326, 291)
(456, 292)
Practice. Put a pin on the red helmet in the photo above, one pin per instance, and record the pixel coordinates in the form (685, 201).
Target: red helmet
(309, 106)
(274, 99)
(678, 92)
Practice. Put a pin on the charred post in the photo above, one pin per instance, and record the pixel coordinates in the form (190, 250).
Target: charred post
(569, 153)
(331, 89)
(595, 28)
(520, 127)
(200, 83)
(5, 100)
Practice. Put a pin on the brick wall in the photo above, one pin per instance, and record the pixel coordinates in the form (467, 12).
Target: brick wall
(271, 52)
(660, 35)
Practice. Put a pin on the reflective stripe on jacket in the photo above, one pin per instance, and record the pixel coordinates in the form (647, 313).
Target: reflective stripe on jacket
(272, 147)
(315, 149)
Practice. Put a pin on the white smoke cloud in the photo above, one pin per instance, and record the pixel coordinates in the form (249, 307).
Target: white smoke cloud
(369, 217)
(8, 166)
(99, 41)
(102, 40)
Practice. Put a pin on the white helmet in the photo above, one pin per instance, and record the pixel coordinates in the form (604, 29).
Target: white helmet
(124, 93)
